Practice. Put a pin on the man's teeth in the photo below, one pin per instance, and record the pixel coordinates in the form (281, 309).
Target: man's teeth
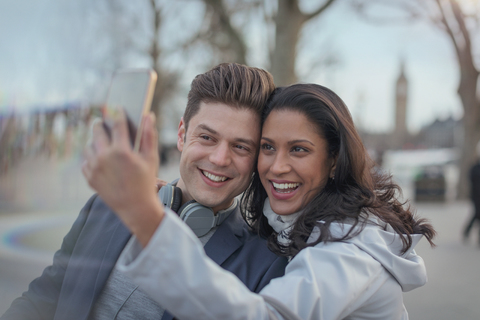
(285, 187)
(214, 177)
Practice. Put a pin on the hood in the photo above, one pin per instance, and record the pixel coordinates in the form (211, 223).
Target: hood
(381, 242)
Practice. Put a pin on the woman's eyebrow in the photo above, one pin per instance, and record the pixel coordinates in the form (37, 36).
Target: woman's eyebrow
(292, 141)
(301, 141)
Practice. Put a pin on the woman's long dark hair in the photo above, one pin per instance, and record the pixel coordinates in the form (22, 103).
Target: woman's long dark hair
(356, 191)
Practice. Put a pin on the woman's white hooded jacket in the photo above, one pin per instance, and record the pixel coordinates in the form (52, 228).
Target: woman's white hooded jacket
(360, 278)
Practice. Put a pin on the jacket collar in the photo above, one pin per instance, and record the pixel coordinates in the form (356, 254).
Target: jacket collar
(227, 239)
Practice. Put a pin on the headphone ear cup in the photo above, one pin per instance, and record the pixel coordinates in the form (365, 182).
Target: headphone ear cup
(177, 199)
(171, 197)
(199, 218)
(182, 208)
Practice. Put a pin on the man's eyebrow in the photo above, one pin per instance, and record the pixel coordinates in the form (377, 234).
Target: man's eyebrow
(249, 142)
(207, 128)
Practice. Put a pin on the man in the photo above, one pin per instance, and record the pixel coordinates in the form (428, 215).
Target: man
(218, 137)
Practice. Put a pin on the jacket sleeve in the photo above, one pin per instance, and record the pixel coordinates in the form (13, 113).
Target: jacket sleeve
(198, 287)
(322, 282)
(40, 301)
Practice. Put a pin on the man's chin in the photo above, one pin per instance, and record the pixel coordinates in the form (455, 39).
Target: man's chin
(221, 204)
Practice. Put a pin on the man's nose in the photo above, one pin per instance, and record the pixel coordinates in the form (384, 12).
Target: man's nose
(221, 155)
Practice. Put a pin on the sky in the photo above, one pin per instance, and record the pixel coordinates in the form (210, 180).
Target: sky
(45, 56)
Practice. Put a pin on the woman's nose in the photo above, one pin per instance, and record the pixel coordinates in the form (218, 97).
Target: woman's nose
(280, 164)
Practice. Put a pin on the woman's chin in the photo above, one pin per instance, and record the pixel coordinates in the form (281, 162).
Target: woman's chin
(283, 209)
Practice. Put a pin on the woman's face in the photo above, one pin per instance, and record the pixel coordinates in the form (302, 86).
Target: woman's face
(293, 160)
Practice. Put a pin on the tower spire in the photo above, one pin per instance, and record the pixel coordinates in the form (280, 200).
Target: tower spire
(401, 95)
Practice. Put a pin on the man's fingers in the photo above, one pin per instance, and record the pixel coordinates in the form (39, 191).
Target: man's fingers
(160, 183)
(100, 139)
(120, 135)
(89, 159)
(149, 142)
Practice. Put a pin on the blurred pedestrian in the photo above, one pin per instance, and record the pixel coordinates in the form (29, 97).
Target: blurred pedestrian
(475, 197)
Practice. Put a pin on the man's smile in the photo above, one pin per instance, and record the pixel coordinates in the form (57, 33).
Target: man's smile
(214, 178)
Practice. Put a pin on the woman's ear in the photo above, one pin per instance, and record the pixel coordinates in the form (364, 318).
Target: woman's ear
(332, 169)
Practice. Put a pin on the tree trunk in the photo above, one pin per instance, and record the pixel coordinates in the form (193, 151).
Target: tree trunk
(166, 81)
(467, 88)
(234, 49)
(288, 22)
(155, 55)
(471, 121)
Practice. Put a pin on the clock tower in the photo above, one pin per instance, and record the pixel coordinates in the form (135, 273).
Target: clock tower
(401, 94)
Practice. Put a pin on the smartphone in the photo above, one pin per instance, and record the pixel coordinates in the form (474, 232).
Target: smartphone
(131, 90)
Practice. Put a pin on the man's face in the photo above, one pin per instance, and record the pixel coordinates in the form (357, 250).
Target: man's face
(219, 151)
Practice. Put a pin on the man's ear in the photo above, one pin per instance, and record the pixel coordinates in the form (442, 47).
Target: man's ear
(181, 135)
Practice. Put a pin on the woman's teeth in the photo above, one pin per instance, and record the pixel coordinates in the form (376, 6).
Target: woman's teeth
(214, 177)
(285, 187)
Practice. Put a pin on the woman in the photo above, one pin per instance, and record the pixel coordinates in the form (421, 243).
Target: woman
(320, 201)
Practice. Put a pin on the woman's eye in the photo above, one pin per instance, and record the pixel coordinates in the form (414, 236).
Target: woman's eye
(266, 146)
(299, 149)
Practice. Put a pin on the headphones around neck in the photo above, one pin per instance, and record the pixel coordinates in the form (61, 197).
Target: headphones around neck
(199, 218)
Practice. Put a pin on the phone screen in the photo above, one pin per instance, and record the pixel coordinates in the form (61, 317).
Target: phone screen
(131, 90)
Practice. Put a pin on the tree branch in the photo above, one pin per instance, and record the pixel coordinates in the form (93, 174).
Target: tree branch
(448, 29)
(237, 42)
(318, 11)
(411, 13)
(460, 18)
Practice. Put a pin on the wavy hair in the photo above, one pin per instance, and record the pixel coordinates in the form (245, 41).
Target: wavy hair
(357, 190)
(233, 84)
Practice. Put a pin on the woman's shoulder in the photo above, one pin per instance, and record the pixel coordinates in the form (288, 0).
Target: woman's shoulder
(373, 246)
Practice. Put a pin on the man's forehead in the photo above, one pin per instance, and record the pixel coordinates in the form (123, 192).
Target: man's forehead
(233, 123)
(214, 106)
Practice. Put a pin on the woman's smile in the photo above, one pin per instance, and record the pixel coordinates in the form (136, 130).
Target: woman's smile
(282, 190)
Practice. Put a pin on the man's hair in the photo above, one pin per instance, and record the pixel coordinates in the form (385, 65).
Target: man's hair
(233, 84)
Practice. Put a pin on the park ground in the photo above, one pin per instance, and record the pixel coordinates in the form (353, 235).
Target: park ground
(41, 197)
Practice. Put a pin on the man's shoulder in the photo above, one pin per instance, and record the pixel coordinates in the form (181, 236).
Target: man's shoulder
(97, 217)
(95, 206)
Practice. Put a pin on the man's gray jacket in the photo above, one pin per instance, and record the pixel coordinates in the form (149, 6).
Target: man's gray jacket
(69, 288)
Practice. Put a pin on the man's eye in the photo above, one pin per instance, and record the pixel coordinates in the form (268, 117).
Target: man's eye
(204, 137)
(239, 146)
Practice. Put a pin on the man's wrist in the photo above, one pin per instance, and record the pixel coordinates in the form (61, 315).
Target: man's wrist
(144, 221)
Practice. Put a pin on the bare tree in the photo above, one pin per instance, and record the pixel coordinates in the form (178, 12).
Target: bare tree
(128, 33)
(460, 24)
(167, 81)
(224, 32)
(112, 35)
(287, 20)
